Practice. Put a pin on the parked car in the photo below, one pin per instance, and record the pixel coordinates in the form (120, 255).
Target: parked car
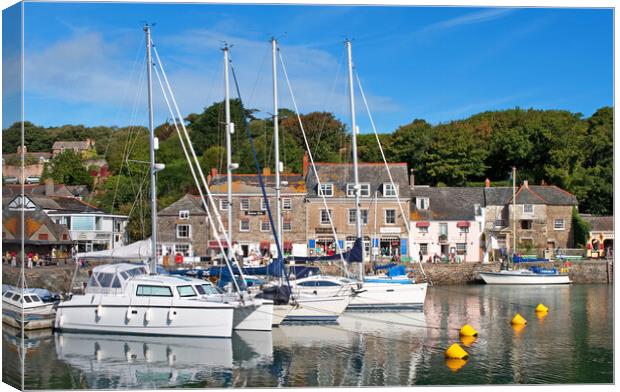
(32, 180)
(9, 180)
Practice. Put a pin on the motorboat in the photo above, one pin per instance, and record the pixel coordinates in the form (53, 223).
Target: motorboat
(29, 311)
(534, 275)
(123, 298)
(250, 314)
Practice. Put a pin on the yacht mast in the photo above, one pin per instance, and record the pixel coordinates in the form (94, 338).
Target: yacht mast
(276, 144)
(149, 64)
(229, 131)
(514, 211)
(358, 215)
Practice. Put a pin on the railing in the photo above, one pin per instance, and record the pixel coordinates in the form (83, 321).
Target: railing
(443, 238)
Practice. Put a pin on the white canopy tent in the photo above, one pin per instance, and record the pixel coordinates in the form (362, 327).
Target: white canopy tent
(140, 250)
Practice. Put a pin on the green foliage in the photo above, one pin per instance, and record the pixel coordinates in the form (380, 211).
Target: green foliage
(581, 229)
(67, 168)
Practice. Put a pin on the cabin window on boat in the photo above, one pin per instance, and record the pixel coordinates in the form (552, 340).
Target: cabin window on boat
(16, 297)
(200, 290)
(153, 291)
(210, 289)
(318, 283)
(8, 294)
(136, 271)
(116, 283)
(36, 298)
(28, 299)
(105, 279)
(186, 291)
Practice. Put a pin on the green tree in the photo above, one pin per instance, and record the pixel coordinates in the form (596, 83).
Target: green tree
(67, 168)
(581, 229)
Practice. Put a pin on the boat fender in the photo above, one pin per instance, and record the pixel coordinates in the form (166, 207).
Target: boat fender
(456, 351)
(468, 330)
(129, 313)
(99, 311)
(172, 314)
(147, 315)
(518, 320)
(541, 308)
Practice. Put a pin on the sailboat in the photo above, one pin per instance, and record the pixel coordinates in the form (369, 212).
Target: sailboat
(370, 292)
(126, 298)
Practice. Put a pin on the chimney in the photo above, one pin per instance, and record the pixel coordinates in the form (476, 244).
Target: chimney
(412, 177)
(49, 187)
(525, 184)
(266, 171)
(487, 183)
(305, 165)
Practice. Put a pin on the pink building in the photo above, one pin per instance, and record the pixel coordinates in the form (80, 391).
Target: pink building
(447, 222)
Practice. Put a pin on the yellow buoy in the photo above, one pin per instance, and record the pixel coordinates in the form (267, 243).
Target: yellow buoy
(468, 340)
(541, 315)
(542, 308)
(518, 328)
(468, 330)
(518, 320)
(455, 364)
(455, 351)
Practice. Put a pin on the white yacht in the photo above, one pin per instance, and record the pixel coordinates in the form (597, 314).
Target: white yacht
(525, 276)
(122, 298)
(31, 310)
(251, 314)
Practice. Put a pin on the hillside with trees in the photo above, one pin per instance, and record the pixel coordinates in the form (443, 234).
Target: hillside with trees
(547, 146)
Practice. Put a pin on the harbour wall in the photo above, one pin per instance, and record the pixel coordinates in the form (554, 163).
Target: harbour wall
(59, 278)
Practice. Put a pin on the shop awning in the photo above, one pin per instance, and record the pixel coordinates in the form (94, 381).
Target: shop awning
(214, 245)
(264, 245)
(288, 245)
(422, 224)
(463, 224)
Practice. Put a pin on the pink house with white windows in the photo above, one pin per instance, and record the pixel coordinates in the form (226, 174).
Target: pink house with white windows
(447, 223)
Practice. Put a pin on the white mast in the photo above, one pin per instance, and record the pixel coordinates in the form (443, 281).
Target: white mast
(149, 62)
(229, 131)
(276, 144)
(358, 215)
(514, 211)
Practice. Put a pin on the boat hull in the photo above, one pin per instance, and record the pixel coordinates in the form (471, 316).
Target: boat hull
(387, 295)
(109, 314)
(279, 314)
(259, 318)
(315, 308)
(40, 317)
(520, 279)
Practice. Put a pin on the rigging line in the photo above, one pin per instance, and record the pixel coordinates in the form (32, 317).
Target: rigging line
(387, 168)
(301, 126)
(202, 177)
(192, 170)
(258, 171)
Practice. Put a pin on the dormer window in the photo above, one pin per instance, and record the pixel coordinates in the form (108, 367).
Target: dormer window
(184, 214)
(326, 190)
(528, 209)
(477, 210)
(364, 190)
(421, 203)
(390, 190)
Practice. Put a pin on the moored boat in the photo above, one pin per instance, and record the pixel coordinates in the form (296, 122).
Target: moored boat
(29, 312)
(534, 275)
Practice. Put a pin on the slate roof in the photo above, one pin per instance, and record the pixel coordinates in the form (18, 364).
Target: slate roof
(341, 174)
(11, 222)
(80, 145)
(57, 203)
(447, 203)
(600, 223)
(249, 184)
(530, 194)
(38, 190)
(188, 202)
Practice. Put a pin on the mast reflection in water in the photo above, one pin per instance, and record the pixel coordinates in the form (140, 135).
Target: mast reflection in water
(573, 344)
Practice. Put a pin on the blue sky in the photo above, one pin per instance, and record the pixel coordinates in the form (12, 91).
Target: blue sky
(84, 62)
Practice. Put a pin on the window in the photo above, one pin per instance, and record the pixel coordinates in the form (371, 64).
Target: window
(422, 203)
(105, 279)
(182, 249)
(443, 229)
(8, 294)
(43, 236)
(464, 229)
(286, 203)
(184, 214)
(244, 204)
(424, 249)
(499, 222)
(326, 190)
(423, 229)
(83, 223)
(263, 204)
(264, 225)
(200, 290)
(210, 289)
(287, 225)
(477, 210)
(558, 224)
(526, 224)
(390, 217)
(364, 214)
(325, 214)
(28, 299)
(244, 225)
(186, 291)
(390, 190)
(364, 190)
(461, 248)
(153, 291)
(223, 205)
(184, 231)
(528, 209)
(318, 283)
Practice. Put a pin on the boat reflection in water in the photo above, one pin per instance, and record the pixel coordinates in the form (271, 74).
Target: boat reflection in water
(124, 361)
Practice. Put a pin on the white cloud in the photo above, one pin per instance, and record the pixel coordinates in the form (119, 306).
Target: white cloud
(468, 19)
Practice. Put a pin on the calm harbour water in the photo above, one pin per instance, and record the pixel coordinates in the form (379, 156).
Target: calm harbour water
(573, 344)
